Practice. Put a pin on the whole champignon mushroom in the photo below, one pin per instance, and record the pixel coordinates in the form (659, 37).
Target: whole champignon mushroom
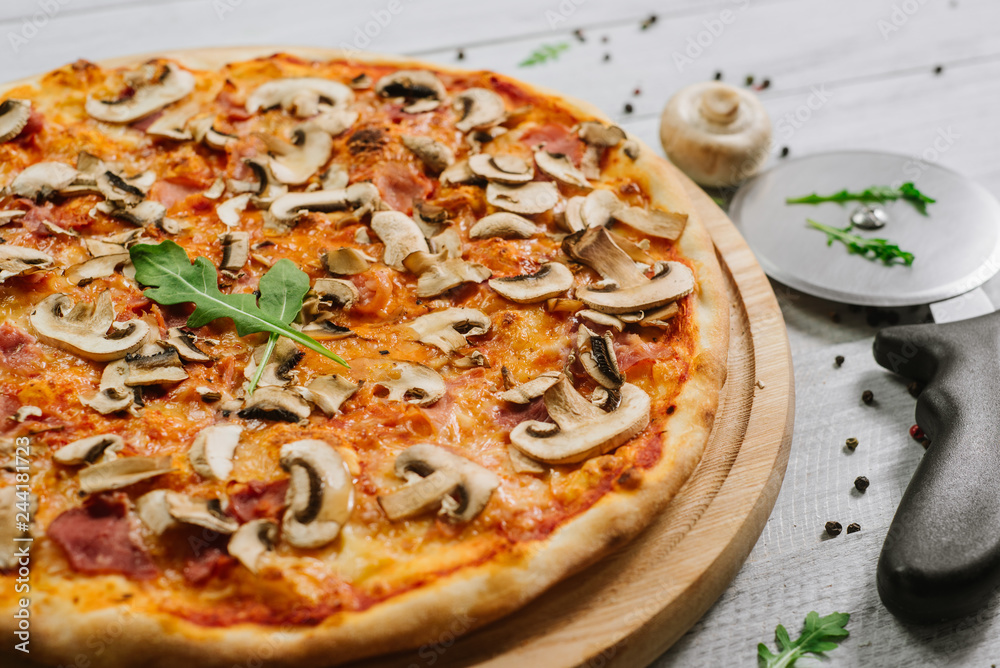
(551, 279)
(447, 330)
(252, 541)
(82, 328)
(435, 155)
(411, 382)
(504, 225)
(89, 450)
(582, 430)
(153, 87)
(438, 479)
(401, 236)
(527, 199)
(14, 115)
(320, 494)
(717, 134)
(21, 261)
(478, 108)
(211, 454)
(671, 281)
(419, 90)
(302, 96)
(121, 472)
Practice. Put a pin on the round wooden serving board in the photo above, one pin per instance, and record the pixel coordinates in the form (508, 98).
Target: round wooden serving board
(635, 603)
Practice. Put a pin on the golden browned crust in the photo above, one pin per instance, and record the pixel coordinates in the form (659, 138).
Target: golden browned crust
(472, 596)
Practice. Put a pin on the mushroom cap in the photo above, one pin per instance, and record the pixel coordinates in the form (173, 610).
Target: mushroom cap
(14, 115)
(82, 328)
(401, 236)
(447, 329)
(584, 430)
(551, 279)
(530, 198)
(320, 495)
(299, 95)
(717, 134)
(478, 108)
(504, 225)
(674, 281)
(152, 90)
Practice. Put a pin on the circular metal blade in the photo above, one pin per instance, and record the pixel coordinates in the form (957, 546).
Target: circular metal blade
(956, 246)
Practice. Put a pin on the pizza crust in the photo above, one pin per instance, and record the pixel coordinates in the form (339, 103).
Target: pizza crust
(472, 597)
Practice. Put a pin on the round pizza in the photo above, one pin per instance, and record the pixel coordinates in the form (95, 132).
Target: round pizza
(303, 358)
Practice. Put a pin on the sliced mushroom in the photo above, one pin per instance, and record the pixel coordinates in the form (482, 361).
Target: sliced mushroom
(151, 88)
(205, 513)
(118, 190)
(429, 217)
(211, 454)
(230, 210)
(145, 213)
(411, 382)
(561, 168)
(336, 121)
(551, 279)
(42, 180)
(94, 268)
(336, 177)
(598, 137)
(208, 394)
(279, 371)
(595, 248)
(252, 541)
(458, 173)
(599, 318)
(122, 472)
(235, 250)
(264, 189)
(504, 225)
(333, 293)
(113, 395)
(89, 450)
(25, 412)
(507, 169)
(530, 198)
(359, 198)
(322, 329)
(526, 392)
(478, 108)
(631, 149)
(83, 328)
(400, 235)
(653, 222)
(582, 430)
(361, 82)
(12, 502)
(301, 96)
(320, 495)
(346, 261)
(472, 360)
(437, 478)
(154, 365)
(153, 511)
(14, 115)
(673, 281)
(447, 330)
(432, 153)
(599, 207)
(449, 274)
(560, 305)
(420, 90)
(330, 392)
(597, 355)
(310, 149)
(183, 342)
(10, 215)
(659, 317)
(173, 124)
(273, 403)
(21, 261)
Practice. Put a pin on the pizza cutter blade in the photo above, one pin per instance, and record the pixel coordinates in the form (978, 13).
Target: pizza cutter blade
(956, 246)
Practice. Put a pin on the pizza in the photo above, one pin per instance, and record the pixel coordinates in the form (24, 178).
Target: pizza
(305, 356)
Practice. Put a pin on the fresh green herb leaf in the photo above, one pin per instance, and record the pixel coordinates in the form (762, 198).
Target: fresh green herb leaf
(544, 54)
(282, 290)
(175, 280)
(879, 194)
(873, 249)
(819, 634)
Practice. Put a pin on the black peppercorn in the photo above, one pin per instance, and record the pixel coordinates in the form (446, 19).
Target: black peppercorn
(607, 57)
(784, 151)
(938, 70)
(861, 483)
(867, 397)
(460, 55)
(718, 76)
(749, 80)
(833, 529)
(628, 108)
(838, 361)
(853, 527)
(579, 35)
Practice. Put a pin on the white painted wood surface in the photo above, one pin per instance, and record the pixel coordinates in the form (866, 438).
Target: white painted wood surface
(871, 61)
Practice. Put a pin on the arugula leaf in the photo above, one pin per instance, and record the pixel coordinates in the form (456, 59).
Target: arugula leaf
(873, 249)
(544, 54)
(818, 636)
(175, 280)
(282, 290)
(880, 194)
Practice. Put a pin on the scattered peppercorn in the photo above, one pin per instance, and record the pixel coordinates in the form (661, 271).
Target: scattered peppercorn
(851, 443)
(833, 529)
(648, 23)
(868, 397)
(718, 75)
(637, 92)
(460, 55)
(861, 483)
(784, 151)
(838, 361)
(918, 435)
(765, 84)
(938, 70)
(607, 57)
(915, 388)
(604, 39)
(628, 108)
(853, 527)
(578, 33)
(749, 80)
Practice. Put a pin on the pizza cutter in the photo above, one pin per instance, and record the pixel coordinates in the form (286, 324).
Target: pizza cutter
(941, 556)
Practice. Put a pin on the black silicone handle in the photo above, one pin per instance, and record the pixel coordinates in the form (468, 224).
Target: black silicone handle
(941, 557)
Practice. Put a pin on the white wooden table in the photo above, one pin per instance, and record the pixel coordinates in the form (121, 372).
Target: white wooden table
(844, 74)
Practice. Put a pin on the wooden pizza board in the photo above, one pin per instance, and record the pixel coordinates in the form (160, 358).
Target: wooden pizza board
(630, 607)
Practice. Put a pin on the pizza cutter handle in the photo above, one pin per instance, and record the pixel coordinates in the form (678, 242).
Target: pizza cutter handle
(941, 556)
